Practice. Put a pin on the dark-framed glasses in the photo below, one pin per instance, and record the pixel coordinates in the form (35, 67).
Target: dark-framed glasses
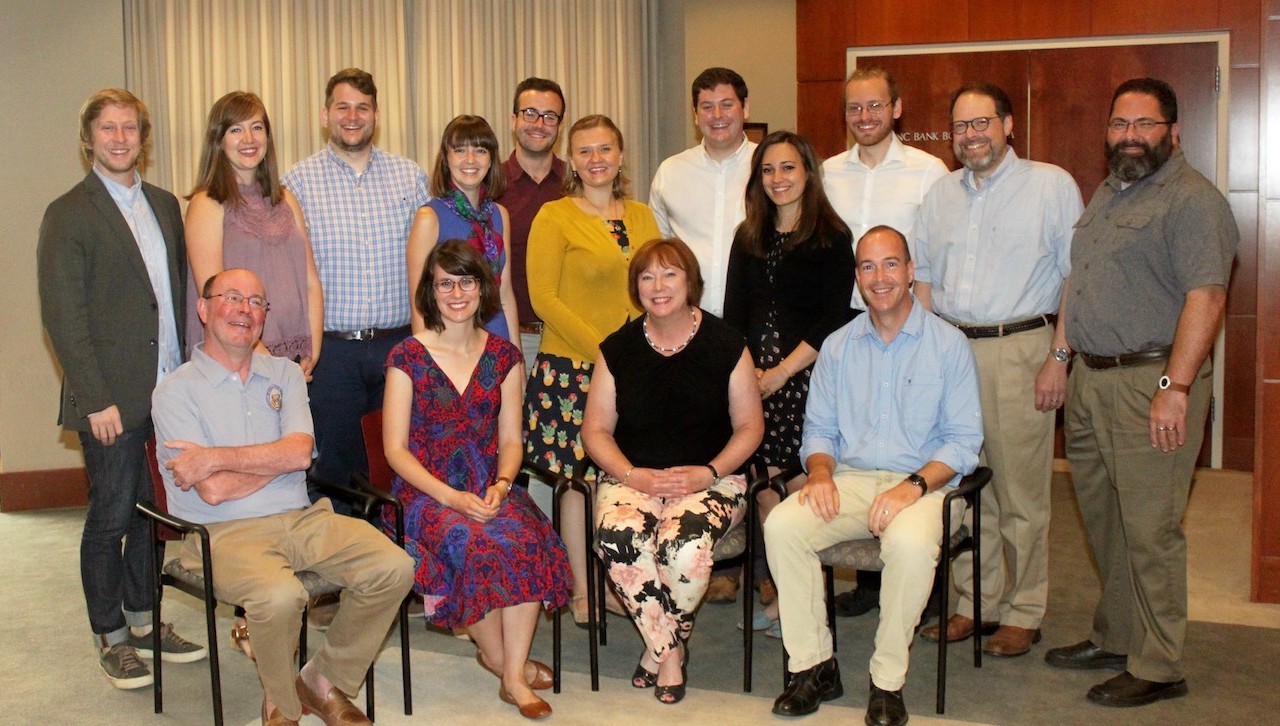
(1142, 125)
(977, 124)
(235, 297)
(872, 107)
(465, 284)
(531, 115)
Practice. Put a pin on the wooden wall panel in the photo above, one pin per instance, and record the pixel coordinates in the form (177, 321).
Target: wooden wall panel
(820, 115)
(1242, 129)
(824, 30)
(1242, 295)
(1152, 16)
(1269, 298)
(1241, 18)
(887, 22)
(1029, 19)
(43, 489)
(1266, 492)
(1237, 409)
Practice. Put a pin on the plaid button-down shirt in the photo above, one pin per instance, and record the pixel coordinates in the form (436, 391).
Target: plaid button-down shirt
(359, 225)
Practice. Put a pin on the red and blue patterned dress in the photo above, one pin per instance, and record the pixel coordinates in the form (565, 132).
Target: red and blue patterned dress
(467, 568)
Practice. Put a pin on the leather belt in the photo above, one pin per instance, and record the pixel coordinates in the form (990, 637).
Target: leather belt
(534, 328)
(367, 333)
(1003, 329)
(1102, 362)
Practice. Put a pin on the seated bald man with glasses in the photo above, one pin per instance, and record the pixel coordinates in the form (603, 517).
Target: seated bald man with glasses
(234, 441)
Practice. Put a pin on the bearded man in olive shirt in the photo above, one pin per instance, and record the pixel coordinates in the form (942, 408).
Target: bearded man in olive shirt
(1150, 260)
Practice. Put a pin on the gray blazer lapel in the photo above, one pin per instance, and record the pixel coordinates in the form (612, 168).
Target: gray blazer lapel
(121, 233)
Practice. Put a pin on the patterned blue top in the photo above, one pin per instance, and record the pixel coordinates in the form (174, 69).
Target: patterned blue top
(359, 226)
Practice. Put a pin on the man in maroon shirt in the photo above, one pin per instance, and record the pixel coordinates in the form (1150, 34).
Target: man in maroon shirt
(534, 177)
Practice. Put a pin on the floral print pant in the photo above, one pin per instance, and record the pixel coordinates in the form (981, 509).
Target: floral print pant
(658, 552)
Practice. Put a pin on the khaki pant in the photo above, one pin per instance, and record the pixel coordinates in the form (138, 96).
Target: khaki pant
(1132, 498)
(1018, 446)
(909, 548)
(253, 564)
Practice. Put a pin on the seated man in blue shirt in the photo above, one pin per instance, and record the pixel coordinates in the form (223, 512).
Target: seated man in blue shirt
(892, 420)
(235, 442)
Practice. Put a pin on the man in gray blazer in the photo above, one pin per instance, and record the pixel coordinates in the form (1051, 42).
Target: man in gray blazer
(112, 276)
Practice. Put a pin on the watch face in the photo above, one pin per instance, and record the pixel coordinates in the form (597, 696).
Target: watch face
(1062, 355)
(1164, 382)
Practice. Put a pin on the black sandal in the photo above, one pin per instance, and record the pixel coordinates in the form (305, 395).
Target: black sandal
(671, 695)
(643, 678)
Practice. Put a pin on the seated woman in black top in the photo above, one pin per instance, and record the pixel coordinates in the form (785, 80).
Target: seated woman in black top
(673, 406)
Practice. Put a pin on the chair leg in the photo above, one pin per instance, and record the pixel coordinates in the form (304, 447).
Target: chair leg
(157, 593)
(368, 690)
(405, 676)
(748, 602)
(595, 584)
(944, 575)
(829, 590)
(302, 637)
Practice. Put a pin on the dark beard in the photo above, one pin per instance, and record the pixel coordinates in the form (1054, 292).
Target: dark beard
(1133, 168)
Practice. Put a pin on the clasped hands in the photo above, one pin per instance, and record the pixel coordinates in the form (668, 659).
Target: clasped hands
(676, 481)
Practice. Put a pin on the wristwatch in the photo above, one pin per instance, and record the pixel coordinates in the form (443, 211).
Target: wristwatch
(920, 482)
(1168, 385)
(1062, 355)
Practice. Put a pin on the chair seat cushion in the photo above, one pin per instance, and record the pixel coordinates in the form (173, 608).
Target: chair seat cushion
(732, 544)
(864, 554)
(315, 584)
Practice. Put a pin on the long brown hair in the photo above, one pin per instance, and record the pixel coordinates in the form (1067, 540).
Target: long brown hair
(816, 212)
(216, 177)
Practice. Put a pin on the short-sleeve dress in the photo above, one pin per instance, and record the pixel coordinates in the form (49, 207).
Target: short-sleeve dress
(453, 226)
(466, 568)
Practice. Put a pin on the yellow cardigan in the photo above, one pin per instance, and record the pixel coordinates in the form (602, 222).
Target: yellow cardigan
(578, 275)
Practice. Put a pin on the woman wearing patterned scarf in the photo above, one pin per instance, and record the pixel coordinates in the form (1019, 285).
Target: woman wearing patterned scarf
(464, 182)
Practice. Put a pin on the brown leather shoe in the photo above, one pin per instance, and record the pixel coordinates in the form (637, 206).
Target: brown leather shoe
(335, 709)
(543, 677)
(958, 628)
(275, 718)
(1010, 641)
(722, 590)
(532, 711)
(768, 592)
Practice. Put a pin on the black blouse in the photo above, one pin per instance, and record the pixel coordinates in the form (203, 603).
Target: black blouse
(673, 410)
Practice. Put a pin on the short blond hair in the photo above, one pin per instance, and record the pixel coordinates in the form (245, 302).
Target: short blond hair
(92, 109)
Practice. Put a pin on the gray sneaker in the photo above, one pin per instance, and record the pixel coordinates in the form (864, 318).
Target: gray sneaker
(173, 647)
(124, 668)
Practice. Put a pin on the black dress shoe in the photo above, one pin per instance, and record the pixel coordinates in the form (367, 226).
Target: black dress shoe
(885, 708)
(1127, 689)
(810, 688)
(857, 602)
(1084, 656)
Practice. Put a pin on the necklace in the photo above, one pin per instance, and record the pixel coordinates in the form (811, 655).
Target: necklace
(645, 326)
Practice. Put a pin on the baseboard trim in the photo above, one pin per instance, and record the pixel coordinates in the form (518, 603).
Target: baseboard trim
(44, 489)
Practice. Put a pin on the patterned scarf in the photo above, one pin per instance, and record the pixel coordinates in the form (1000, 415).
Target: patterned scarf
(483, 237)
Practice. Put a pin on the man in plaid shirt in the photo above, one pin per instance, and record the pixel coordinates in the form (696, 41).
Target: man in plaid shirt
(359, 202)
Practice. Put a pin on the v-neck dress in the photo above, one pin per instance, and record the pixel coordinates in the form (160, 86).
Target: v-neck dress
(467, 568)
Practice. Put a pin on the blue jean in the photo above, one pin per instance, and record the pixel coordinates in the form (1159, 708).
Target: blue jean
(115, 557)
(346, 384)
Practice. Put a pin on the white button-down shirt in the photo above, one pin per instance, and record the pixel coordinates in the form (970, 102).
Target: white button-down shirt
(700, 200)
(888, 193)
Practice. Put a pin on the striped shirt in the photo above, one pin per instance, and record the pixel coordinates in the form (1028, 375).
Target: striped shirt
(359, 225)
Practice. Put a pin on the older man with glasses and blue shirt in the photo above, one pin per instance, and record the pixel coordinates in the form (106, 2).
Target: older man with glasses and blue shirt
(992, 248)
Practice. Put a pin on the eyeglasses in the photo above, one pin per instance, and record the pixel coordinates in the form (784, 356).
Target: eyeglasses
(872, 107)
(235, 297)
(1142, 125)
(531, 115)
(977, 124)
(466, 284)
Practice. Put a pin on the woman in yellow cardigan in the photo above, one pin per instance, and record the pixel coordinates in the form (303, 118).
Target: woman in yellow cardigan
(578, 253)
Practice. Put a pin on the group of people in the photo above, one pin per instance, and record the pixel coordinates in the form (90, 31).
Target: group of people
(531, 310)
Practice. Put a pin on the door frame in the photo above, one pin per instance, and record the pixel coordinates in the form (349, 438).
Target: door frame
(1223, 41)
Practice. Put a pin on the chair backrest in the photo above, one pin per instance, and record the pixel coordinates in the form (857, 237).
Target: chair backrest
(157, 490)
(380, 473)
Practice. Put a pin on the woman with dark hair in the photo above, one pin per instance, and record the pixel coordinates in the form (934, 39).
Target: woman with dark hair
(240, 216)
(672, 417)
(464, 182)
(579, 249)
(487, 559)
(791, 276)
